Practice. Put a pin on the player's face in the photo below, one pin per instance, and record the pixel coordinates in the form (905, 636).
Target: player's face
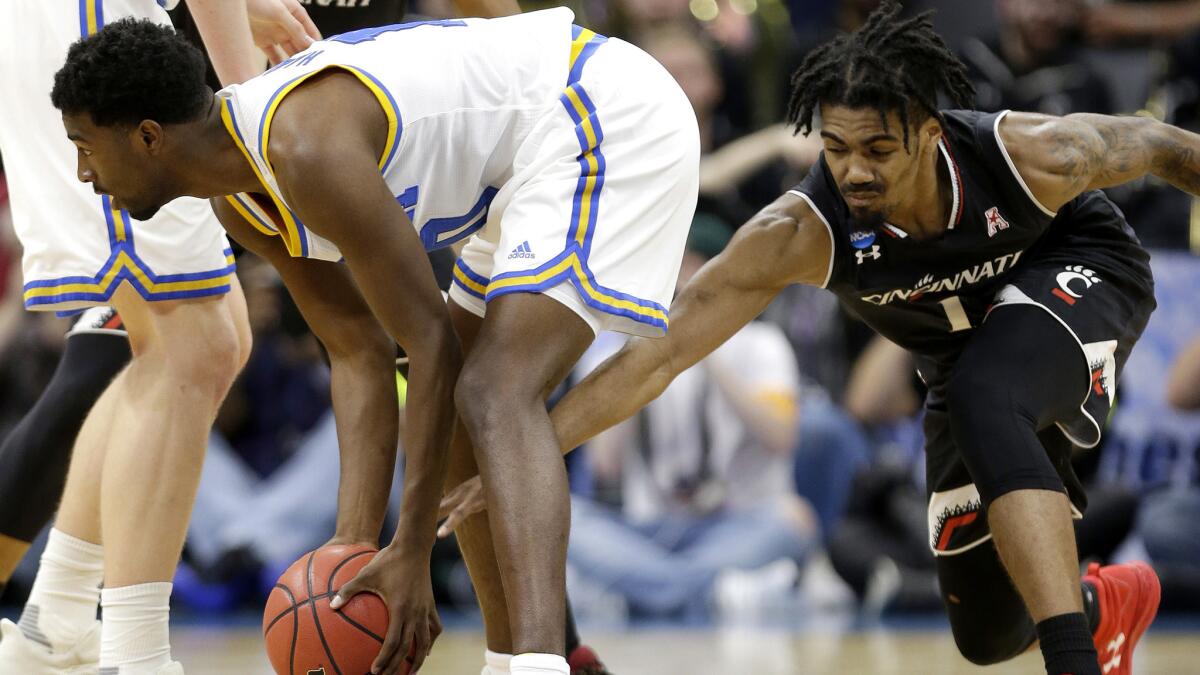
(120, 162)
(874, 171)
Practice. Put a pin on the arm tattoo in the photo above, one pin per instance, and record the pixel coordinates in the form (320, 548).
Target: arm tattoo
(1127, 148)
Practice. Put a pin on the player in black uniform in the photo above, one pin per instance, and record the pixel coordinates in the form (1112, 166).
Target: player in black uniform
(981, 244)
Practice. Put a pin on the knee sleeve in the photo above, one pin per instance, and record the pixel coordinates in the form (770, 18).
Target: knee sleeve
(35, 456)
(1017, 375)
(988, 617)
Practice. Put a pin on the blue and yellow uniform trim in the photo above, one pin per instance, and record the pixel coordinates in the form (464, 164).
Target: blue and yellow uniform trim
(123, 263)
(571, 265)
(294, 237)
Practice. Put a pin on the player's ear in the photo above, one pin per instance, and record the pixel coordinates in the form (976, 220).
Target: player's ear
(930, 131)
(149, 135)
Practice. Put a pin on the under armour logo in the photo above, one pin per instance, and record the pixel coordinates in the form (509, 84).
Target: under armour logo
(1114, 648)
(873, 254)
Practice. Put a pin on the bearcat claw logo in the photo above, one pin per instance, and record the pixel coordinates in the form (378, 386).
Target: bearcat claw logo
(1084, 277)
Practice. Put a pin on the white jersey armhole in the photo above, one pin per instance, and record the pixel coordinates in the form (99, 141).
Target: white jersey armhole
(828, 228)
(1013, 167)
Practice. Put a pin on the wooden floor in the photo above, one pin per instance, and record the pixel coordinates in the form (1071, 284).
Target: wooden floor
(226, 651)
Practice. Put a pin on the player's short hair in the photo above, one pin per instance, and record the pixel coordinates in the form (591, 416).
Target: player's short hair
(890, 64)
(133, 70)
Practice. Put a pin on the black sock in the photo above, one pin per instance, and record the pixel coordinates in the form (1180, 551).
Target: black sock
(1091, 606)
(572, 631)
(1067, 645)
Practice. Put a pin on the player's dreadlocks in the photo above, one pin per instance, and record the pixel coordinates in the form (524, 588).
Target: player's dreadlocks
(888, 64)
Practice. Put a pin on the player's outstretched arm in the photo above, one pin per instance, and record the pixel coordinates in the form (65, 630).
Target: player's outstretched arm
(783, 244)
(1061, 157)
(362, 367)
(326, 160)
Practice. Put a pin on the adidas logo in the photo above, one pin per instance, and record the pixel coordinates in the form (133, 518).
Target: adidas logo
(522, 251)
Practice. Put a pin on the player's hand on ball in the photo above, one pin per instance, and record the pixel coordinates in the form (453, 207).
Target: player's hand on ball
(461, 503)
(280, 28)
(402, 580)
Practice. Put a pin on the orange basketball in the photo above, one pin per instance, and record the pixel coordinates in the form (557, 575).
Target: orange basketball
(304, 636)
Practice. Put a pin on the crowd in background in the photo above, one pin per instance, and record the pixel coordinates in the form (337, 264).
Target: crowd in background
(786, 468)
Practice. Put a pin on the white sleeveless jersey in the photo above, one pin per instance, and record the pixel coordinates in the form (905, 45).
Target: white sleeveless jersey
(461, 96)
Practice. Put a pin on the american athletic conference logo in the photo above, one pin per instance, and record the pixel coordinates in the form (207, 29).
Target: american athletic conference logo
(995, 221)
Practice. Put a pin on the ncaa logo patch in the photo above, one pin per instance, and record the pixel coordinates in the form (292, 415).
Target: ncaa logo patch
(862, 238)
(317, 671)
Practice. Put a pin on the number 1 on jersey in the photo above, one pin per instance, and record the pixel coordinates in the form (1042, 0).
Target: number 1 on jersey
(955, 314)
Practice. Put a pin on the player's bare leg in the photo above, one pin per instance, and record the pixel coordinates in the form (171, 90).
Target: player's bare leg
(527, 344)
(145, 439)
(1035, 537)
(474, 534)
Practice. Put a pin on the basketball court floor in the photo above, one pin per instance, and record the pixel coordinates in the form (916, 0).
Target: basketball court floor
(1171, 650)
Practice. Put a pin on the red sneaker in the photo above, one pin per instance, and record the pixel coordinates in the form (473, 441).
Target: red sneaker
(584, 661)
(1128, 595)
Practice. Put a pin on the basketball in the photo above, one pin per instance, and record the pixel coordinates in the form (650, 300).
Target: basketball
(303, 635)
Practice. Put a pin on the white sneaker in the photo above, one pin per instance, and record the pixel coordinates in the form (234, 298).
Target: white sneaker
(747, 593)
(172, 668)
(21, 656)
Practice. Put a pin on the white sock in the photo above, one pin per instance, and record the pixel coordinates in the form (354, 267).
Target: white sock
(135, 638)
(538, 664)
(497, 663)
(62, 604)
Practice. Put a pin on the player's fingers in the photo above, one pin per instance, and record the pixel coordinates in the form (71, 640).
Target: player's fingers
(391, 645)
(452, 521)
(301, 15)
(294, 33)
(275, 54)
(347, 591)
(398, 658)
(420, 648)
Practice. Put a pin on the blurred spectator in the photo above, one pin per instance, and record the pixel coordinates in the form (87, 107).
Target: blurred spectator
(1169, 521)
(1033, 62)
(700, 479)
(1183, 383)
(881, 547)
(738, 173)
(1128, 21)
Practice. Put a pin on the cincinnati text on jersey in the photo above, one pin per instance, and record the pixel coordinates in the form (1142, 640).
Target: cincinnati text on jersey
(971, 275)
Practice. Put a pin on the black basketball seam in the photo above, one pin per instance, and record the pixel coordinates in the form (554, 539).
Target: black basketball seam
(295, 630)
(295, 606)
(329, 586)
(292, 605)
(361, 627)
(317, 618)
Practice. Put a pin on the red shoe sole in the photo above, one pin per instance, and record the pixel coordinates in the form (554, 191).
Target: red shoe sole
(1149, 596)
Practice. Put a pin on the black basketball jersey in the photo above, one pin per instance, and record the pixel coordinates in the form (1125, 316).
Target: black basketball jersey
(927, 296)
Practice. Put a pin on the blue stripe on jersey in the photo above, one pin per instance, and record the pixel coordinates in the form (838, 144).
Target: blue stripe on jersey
(458, 227)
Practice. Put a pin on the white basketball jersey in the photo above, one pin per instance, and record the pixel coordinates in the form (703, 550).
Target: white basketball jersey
(461, 97)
